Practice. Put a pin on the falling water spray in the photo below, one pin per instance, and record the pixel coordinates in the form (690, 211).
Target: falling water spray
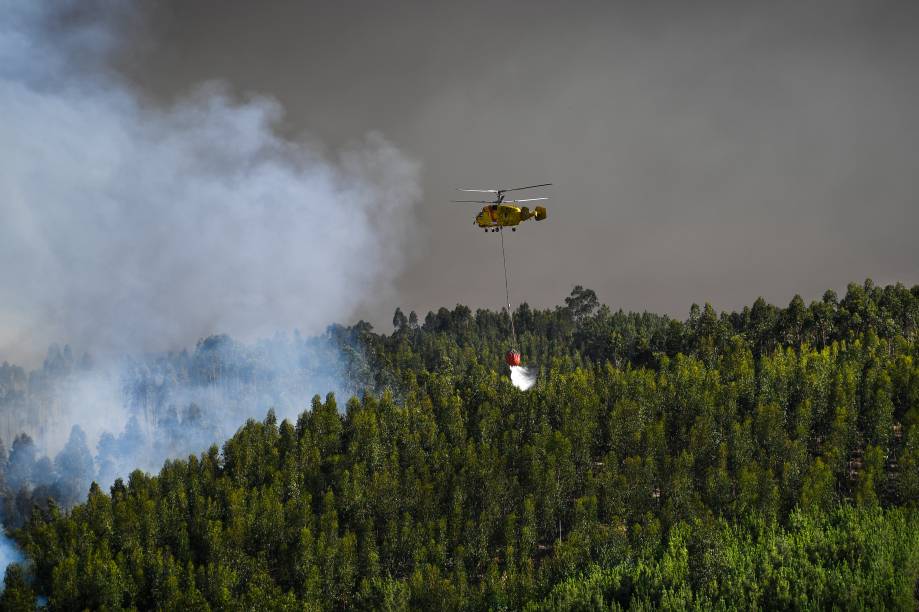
(523, 377)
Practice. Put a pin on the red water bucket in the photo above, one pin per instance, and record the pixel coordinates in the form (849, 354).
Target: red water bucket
(512, 358)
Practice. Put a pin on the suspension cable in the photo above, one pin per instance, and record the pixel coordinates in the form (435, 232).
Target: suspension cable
(507, 291)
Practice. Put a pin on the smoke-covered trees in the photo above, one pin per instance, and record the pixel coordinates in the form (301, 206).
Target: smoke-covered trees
(27, 479)
(20, 468)
(748, 459)
(74, 466)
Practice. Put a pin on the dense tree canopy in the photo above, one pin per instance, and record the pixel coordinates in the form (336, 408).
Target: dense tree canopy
(763, 458)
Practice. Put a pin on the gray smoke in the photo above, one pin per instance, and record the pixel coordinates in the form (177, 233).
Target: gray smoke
(104, 421)
(8, 554)
(127, 226)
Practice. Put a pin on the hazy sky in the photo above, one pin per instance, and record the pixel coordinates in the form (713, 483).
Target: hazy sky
(128, 226)
(699, 151)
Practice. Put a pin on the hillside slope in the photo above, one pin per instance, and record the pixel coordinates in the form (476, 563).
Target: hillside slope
(768, 457)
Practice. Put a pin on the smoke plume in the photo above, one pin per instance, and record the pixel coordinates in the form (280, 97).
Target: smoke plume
(127, 226)
(130, 228)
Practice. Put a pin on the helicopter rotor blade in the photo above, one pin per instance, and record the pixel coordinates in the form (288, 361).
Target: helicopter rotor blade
(480, 190)
(524, 200)
(527, 187)
(472, 201)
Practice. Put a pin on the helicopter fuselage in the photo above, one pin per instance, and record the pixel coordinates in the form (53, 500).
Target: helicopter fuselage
(507, 215)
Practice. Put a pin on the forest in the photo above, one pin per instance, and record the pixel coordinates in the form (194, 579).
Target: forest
(766, 458)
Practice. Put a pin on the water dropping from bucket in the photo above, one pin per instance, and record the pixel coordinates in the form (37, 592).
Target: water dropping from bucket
(523, 378)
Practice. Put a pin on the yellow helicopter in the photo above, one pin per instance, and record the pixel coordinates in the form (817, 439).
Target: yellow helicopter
(500, 213)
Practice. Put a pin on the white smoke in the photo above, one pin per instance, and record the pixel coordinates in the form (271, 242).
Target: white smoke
(523, 377)
(8, 554)
(125, 226)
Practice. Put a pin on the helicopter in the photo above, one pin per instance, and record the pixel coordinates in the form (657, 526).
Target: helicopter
(500, 213)
(495, 216)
